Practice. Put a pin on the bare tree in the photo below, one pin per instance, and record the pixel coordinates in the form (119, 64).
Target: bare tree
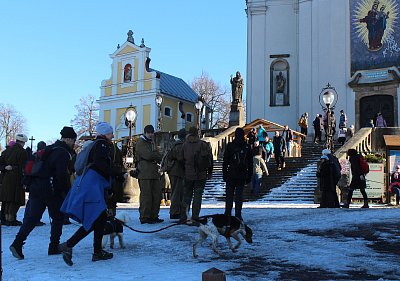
(87, 116)
(215, 97)
(11, 122)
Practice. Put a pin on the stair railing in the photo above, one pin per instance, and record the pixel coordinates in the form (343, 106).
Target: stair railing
(361, 141)
(219, 142)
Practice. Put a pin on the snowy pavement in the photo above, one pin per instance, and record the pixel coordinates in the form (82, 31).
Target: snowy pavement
(291, 242)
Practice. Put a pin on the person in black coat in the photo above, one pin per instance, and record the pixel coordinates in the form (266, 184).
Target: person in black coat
(358, 178)
(279, 150)
(48, 190)
(237, 171)
(325, 172)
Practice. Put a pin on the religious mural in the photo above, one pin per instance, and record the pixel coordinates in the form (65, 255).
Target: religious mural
(375, 34)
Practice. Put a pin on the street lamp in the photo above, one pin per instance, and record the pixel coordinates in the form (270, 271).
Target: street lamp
(159, 100)
(130, 119)
(329, 97)
(198, 105)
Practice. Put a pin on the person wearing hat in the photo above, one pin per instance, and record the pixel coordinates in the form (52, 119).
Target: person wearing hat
(394, 187)
(92, 186)
(3, 171)
(48, 190)
(328, 178)
(175, 169)
(237, 170)
(148, 158)
(12, 193)
(198, 162)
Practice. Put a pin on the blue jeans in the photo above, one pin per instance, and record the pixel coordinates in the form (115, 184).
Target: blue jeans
(288, 147)
(256, 183)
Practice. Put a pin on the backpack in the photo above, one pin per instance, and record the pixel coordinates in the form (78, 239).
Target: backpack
(363, 165)
(35, 166)
(81, 162)
(168, 162)
(336, 168)
(202, 159)
(238, 161)
(302, 122)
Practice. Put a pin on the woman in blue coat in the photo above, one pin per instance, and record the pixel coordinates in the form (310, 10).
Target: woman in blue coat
(86, 201)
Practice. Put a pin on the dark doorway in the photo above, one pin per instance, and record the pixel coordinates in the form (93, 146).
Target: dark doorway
(370, 106)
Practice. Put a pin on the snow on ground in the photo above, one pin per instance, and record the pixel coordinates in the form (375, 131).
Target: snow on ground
(291, 242)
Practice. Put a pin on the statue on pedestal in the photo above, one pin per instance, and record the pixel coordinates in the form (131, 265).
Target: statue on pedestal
(280, 83)
(237, 88)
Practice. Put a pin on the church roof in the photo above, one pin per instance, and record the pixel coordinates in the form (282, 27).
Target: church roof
(176, 87)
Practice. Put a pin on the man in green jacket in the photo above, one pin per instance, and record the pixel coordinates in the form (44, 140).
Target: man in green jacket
(149, 177)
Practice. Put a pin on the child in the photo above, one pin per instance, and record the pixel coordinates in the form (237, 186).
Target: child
(343, 185)
(259, 168)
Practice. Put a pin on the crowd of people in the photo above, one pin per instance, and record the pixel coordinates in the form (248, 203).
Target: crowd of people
(57, 186)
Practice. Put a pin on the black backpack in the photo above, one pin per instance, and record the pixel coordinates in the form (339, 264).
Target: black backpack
(238, 161)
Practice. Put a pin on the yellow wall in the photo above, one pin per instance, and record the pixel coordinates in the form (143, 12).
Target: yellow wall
(169, 123)
(146, 115)
(119, 72)
(107, 116)
(108, 89)
(127, 90)
(127, 49)
(136, 74)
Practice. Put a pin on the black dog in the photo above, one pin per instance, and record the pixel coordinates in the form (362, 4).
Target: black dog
(114, 227)
(228, 226)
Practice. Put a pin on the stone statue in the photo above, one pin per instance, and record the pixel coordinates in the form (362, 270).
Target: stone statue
(237, 88)
(280, 83)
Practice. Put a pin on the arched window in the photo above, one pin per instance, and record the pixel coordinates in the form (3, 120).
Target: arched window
(128, 73)
(279, 83)
(168, 111)
(189, 117)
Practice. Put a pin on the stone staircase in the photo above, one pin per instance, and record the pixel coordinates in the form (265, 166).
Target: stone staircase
(295, 183)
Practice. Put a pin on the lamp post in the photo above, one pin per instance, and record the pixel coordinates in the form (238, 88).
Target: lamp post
(198, 105)
(159, 100)
(130, 119)
(329, 97)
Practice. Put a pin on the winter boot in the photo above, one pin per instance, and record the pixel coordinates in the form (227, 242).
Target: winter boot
(365, 206)
(102, 255)
(16, 249)
(168, 203)
(66, 252)
(53, 249)
(162, 202)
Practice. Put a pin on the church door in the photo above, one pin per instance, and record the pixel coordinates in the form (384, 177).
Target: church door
(371, 105)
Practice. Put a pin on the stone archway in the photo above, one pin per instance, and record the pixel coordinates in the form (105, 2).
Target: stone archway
(370, 100)
(371, 105)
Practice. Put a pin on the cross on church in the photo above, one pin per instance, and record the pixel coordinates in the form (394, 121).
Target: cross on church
(32, 139)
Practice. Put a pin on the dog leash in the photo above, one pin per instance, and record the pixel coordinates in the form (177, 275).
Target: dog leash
(150, 231)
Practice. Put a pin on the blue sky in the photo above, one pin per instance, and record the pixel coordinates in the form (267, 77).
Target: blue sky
(54, 52)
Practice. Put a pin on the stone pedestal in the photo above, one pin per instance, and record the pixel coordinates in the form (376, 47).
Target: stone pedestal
(131, 190)
(236, 116)
(213, 274)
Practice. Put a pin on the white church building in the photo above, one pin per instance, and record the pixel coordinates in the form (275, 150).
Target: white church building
(296, 47)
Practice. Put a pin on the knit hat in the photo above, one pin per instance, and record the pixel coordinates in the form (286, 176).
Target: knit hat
(21, 138)
(11, 143)
(103, 128)
(239, 134)
(148, 129)
(326, 151)
(41, 145)
(68, 133)
(182, 134)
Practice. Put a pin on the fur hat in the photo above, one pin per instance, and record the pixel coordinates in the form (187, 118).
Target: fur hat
(21, 138)
(103, 128)
(326, 151)
(182, 134)
(193, 131)
(68, 133)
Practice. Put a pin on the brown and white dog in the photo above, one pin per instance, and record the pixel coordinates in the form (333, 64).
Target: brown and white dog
(114, 227)
(228, 226)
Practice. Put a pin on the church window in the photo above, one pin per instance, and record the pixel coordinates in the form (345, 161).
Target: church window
(167, 111)
(189, 117)
(279, 83)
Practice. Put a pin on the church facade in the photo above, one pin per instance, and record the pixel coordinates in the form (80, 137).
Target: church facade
(134, 84)
(296, 47)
